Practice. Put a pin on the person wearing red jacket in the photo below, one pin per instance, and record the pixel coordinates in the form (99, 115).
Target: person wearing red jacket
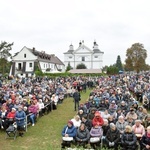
(10, 118)
(97, 120)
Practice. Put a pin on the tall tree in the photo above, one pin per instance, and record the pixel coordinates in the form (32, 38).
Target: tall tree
(68, 67)
(81, 66)
(136, 56)
(5, 49)
(119, 63)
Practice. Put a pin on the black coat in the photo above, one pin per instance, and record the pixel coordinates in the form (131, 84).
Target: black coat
(129, 140)
(113, 136)
(145, 140)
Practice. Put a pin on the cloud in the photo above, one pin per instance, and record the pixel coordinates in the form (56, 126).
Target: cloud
(53, 25)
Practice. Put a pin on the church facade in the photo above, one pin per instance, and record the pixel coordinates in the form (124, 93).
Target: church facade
(91, 58)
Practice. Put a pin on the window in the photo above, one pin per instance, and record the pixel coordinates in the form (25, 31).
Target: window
(83, 59)
(25, 55)
(95, 56)
(70, 57)
(44, 65)
(30, 65)
(19, 66)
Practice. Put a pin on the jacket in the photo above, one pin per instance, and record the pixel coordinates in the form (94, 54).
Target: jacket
(71, 131)
(97, 121)
(129, 140)
(113, 136)
(82, 135)
(20, 118)
(145, 140)
(77, 96)
(121, 126)
(96, 132)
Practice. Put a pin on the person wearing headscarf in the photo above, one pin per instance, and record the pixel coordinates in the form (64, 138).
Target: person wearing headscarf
(69, 130)
(97, 120)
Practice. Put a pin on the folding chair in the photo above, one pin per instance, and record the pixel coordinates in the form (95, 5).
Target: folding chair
(11, 131)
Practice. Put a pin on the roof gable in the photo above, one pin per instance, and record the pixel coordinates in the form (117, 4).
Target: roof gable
(83, 49)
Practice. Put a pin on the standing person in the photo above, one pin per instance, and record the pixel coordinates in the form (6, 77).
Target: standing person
(20, 120)
(77, 98)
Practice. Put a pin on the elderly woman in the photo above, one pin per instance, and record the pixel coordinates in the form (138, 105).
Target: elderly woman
(20, 120)
(97, 120)
(138, 129)
(145, 142)
(128, 139)
(68, 134)
(82, 136)
(76, 121)
(121, 124)
(132, 114)
(96, 133)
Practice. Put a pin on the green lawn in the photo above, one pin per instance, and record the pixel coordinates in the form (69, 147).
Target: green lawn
(46, 134)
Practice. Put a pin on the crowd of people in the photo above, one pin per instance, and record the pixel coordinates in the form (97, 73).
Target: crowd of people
(115, 115)
(22, 98)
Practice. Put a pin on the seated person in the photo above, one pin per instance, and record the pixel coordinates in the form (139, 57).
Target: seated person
(105, 128)
(145, 141)
(128, 139)
(33, 110)
(69, 130)
(3, 115)
(76, 121)
(112, 137)
(121, 124)
(138, 129)
(87, 122)
(97, 120)
(10, 118)
(82, 135)
(96, 134)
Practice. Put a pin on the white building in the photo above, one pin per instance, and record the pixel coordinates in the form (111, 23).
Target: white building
(91, 58)
(25, 62)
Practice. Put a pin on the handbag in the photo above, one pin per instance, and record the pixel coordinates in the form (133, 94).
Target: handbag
(67, 138)
(94, 139)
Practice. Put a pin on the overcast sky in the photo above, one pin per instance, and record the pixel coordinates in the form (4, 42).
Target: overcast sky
(52, 25)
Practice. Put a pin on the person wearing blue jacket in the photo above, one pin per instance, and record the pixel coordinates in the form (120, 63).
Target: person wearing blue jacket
(68, 134)
(20, 120)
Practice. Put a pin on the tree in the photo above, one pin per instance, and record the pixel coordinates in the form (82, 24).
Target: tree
(136, 56)
(119, 63)
(5, 49)
(68, 67)
(112, 70)
(81, 66)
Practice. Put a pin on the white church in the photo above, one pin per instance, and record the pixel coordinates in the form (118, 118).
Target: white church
(91, 58)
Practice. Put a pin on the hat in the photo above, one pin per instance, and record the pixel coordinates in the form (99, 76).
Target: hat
(113, 102)
(97, 114)
(70, 122)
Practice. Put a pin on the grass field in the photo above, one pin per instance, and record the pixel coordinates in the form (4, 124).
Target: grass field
(46, 134)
